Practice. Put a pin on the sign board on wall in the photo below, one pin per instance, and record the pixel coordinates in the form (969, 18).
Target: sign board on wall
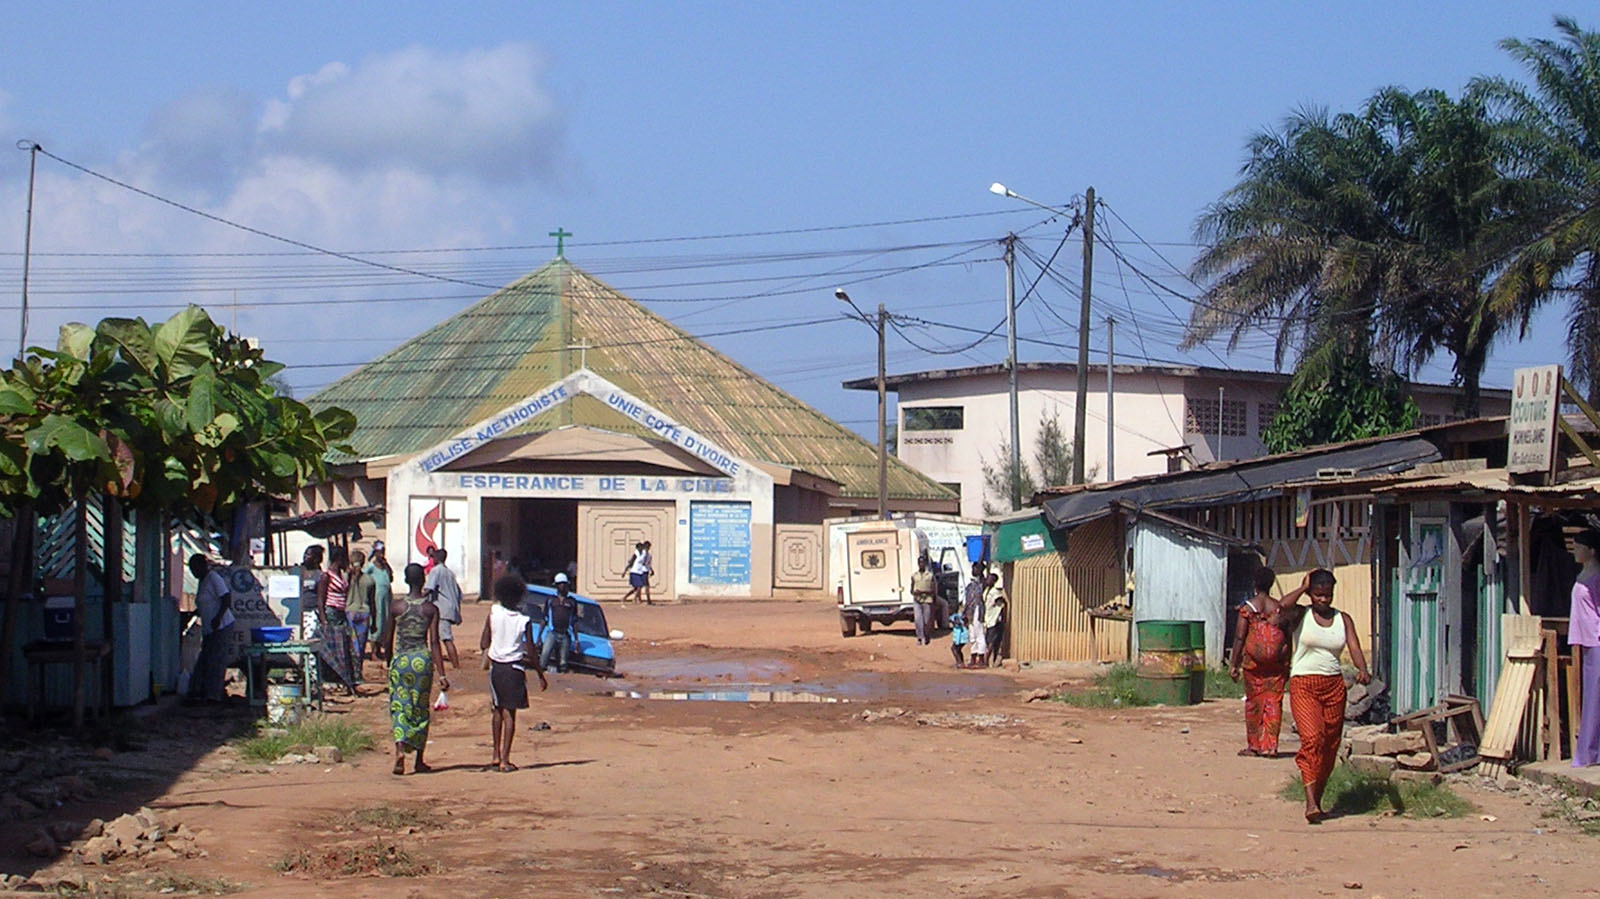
(719, 543)
(583, 381)
(1531, 442)
(250, 607)
(582, 486)
(438, 522)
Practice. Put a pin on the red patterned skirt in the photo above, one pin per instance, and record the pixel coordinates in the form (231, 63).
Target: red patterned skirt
(1263, 708)
(1317, 702)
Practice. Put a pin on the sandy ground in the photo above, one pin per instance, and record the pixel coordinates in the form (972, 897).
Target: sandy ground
(927, 781)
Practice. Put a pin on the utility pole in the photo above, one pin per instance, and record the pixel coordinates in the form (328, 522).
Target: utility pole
(27, 244)
(1011, 369)
(879, 324)
(1081, 408)
(1111, 399)
(883, 426)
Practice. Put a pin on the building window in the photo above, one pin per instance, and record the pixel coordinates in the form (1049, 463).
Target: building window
(934, 418)
(1429, 419)
(1200, 416)
(1265, 413)
(952, 487)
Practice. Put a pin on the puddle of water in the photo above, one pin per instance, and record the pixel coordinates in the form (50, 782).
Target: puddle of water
(739, 671)
(757, 677)
(726, 695)
(733, 680)
(1158, 871)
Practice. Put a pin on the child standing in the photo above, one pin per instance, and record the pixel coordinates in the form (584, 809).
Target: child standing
(505, 642)
(958, 639)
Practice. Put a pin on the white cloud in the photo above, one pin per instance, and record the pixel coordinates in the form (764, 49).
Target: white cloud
(205, 138)
(411, 149)
(481, 113)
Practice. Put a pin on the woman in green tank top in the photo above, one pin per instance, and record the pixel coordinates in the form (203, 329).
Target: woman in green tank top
(410, 642)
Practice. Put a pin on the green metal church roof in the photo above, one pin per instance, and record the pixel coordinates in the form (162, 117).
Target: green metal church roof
(515, 341)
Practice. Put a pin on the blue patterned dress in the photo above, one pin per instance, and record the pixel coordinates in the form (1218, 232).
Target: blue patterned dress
(411, 678)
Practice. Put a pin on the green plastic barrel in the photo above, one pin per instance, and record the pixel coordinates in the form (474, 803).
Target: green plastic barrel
(1197, 660)
(1165, 658)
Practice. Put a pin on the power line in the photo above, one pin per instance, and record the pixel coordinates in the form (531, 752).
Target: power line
(502, 247)
(256, 231)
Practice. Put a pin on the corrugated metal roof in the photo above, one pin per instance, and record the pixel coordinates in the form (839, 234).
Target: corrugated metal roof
(1235, 481)
(1494, 482)
(516, 341)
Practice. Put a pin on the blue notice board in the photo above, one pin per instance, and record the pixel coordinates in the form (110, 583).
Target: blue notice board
(719, 543)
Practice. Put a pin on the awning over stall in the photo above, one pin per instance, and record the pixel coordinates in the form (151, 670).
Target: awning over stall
(1019, 538)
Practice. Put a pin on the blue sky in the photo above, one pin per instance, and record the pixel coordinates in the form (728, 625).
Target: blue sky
(383, 127)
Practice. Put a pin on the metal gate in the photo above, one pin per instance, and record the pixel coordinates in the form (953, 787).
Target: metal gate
(797, 556)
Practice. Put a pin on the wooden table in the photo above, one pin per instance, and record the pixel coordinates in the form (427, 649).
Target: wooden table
(294, 655)
(40, 653)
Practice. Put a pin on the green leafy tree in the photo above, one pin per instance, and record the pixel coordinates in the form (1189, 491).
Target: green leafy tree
(1362, 236)
(180, 415)
(1350, 403)
(1553, 163)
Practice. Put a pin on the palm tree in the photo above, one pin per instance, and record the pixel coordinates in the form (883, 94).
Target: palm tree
(1553, 166)
(1360, 239)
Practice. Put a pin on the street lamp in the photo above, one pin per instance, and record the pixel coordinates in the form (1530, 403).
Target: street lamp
(1081, 405)
(883, 427)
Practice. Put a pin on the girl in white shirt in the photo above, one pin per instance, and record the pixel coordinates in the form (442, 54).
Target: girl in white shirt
(506, 642)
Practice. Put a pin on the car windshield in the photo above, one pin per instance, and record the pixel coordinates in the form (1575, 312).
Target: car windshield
(591, 621)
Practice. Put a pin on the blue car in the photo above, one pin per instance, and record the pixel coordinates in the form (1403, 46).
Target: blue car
(591, 650)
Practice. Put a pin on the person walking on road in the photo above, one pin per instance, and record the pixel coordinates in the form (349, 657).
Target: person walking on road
(333, 626)
(972, 613)
(382, 586)
(505, 640)
(958, 639)
(214, 605)
(445, 591)
(1319, 635)
(310, 574)
(358, 608)
(994, 617)
(648, 561)
(1584, 631)
(560, 616)
(1261, 655)
(923, 588)
(409, 643)
(638, 572)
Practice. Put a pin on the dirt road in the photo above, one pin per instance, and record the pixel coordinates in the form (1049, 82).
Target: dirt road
(919, 780)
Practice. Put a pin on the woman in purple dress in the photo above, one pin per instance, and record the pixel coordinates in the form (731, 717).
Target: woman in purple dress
(1584, 631)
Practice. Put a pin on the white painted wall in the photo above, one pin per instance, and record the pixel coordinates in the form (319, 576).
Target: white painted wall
(743, 482)
(1150, 415)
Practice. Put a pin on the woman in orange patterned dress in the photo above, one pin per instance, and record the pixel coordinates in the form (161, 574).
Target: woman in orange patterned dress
(1261, 655)
(1318, 636)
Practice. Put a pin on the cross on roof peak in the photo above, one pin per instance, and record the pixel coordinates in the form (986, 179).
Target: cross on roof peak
(561, 235)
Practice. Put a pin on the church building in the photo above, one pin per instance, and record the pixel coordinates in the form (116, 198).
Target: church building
(557, 423)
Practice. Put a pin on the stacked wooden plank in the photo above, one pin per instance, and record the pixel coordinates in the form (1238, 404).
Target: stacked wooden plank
(1507, 724)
